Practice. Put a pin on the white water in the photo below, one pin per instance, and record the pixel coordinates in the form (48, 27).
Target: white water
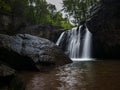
(59, 39)
(73, 47)
(82, 59)
(87, 45)
(77, 48)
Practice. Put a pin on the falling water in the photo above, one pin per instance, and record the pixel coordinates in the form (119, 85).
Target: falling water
(73, 46)
(87, 45)
(77, 43)
(59, 39)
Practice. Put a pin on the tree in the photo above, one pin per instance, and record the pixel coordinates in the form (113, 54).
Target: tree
(52, 13)
(36, 11)
(79, 9)
(30, 12)
(12, 9)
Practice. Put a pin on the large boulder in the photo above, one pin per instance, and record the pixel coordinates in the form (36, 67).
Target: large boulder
(105, 27)
(27, 52)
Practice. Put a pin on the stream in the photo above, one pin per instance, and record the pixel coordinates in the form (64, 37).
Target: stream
(79, 75)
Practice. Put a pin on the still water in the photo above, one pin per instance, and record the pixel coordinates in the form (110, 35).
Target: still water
(88, 75)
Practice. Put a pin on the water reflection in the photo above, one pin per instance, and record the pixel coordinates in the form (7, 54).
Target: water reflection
(72, 77)
(77, 76)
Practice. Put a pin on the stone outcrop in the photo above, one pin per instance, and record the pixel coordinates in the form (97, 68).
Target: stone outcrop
(105, 27)
(47, 31)
(27, 52)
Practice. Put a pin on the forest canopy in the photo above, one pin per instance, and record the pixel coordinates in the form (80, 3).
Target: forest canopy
(16, 13)
(32, 12)
(78, 9)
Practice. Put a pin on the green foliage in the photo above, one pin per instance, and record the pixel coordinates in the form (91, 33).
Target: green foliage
(12, 7)
(33, 12)
(79, 9)
(66, 24)
(58, 20)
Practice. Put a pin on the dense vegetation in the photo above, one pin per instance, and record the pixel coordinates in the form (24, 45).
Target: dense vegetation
(18, 13)
(79, 9)
(15, 14)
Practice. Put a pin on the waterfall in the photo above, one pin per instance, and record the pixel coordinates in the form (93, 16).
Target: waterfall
(76, 43)
(59, 39)
(87, 45)
(73, 46)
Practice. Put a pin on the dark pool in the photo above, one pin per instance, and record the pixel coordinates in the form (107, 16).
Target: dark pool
(88, 75)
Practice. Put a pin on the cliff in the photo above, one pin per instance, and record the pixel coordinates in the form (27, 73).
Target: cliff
(105, 27)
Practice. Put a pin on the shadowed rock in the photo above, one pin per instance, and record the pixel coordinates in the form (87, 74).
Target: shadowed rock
(27, 52)
(6, 71)
(105, 27)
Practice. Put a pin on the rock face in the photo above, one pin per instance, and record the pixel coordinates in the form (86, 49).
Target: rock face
(43, 30)
(105, 27)
(27, 52)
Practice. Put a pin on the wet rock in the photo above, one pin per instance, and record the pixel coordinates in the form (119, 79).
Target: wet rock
(27, 52)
